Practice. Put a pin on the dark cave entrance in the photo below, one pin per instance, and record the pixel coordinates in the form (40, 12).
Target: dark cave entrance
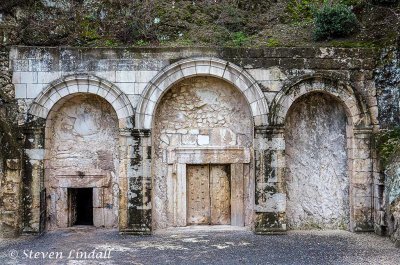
(81, 206)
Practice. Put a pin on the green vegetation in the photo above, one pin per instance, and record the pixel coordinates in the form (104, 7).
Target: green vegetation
(388, 145)
(334, 21)
(272, 42)
(239, 38)
(302, 10)
(235, 23)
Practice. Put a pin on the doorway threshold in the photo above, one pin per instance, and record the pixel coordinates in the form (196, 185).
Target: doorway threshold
(202, 229)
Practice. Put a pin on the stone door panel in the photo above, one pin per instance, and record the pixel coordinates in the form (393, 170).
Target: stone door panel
(198, 190)
(208, 191)
(220, 194)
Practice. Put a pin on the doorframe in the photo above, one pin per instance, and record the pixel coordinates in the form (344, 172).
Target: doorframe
(177, 158)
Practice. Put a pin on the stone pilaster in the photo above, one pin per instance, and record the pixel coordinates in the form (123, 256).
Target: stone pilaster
(270, 200)
(362, 185)
(139, 185)
(33, 192)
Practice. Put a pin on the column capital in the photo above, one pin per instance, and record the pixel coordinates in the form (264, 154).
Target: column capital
(270, 130)
(141, 132)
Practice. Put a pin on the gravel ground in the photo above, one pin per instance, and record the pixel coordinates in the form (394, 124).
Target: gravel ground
(200, 247)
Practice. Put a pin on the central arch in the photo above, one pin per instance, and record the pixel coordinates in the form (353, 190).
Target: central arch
(236, 160)
(201, 160)
(203, 66)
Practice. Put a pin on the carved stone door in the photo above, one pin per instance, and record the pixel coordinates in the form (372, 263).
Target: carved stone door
(209, 194)
(220, 191)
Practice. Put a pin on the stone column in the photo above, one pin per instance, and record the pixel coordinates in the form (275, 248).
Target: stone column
(139, 185)
(270, 200)
(34, 192)
(361, 177)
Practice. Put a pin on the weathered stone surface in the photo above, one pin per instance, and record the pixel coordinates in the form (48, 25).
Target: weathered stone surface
(82, 153)
(201, 119)
(317, 182)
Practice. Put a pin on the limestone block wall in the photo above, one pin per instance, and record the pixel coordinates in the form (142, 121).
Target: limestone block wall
(135, 81)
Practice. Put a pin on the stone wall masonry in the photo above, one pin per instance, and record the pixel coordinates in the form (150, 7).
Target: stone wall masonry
(277, 73)
(10, 194)
(34, 68)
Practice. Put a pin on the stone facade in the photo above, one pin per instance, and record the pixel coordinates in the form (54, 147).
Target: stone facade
(157, 113)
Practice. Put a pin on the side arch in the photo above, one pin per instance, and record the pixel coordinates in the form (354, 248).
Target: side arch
(355, 106)
(200, 67)
(74, 84)
(359, 128)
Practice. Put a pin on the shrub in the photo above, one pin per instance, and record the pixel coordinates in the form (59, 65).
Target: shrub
(334, 21)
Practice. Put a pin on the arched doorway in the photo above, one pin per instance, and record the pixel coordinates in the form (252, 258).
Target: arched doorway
(202, 140)
(81, 162)
(317, 178)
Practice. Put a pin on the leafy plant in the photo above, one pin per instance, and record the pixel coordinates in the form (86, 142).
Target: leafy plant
(334, 21)
(240, 38)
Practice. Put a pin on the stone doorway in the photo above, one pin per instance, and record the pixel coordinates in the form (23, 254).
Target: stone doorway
(80, 206)
(209, 194)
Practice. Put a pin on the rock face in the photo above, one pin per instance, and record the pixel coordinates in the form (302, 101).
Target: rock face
(387, 78)
(392, 183)
(317, 182)
(197, 112)
(82, 153)
(10, 153)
